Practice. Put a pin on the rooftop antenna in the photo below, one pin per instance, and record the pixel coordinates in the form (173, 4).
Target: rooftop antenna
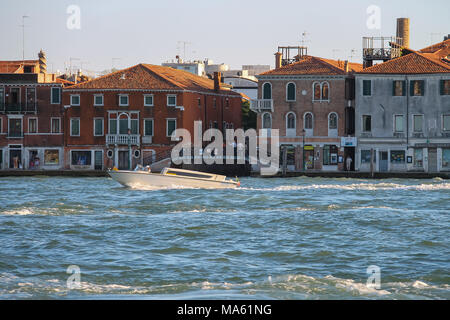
(70, 63)
(432, 34)
(23, 37)
(352, 54)
(304, 35)
(185, 43)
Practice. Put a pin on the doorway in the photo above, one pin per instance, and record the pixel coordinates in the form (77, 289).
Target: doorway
(349, 152)
(98, 160)
(384, 158)
(124, 160)
(15, 158)
(432, 160)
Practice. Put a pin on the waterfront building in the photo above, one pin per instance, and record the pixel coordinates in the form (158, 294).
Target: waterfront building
(31, 116)
(311, 101)
(137, 109)
(403, 113)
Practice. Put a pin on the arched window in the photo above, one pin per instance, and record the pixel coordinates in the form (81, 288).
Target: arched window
(308, 121)
(290, 119)
(267, 121)
(332, 121)
(317, 94)
(325, 91)
(290, 92)
(267, 91)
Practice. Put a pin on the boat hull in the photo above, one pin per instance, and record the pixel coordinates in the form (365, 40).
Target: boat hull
(136, 179)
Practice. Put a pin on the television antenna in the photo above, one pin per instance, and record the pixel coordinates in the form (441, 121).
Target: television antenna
(23, 36)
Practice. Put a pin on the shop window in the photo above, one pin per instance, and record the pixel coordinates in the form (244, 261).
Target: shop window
(51, 157)
(330, 155)
(81, 158)
(366, 156)
(418, 158)
(398, 157)
(446, 158)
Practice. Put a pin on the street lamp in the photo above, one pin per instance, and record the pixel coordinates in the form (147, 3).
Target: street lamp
(129, 149)
(303, 151)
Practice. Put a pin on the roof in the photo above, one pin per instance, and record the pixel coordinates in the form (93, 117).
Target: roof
(151, 77)
(413, 63)
(436, 47)
(310, 65)
(16, 66)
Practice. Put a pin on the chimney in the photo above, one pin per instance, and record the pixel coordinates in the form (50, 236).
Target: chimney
(42, 62)
(346, 66)
(278, 57)
(403, 30)
(446, 37)
(217, 81)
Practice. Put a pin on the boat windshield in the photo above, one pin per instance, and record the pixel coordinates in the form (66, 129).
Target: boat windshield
(189, 174)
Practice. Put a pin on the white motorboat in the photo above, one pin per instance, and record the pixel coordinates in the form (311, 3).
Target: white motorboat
(170, 177)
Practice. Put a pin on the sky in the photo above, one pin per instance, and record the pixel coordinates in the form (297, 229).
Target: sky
(121, 34)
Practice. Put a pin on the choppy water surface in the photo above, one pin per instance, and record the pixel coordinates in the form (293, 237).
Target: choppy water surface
(297, 238)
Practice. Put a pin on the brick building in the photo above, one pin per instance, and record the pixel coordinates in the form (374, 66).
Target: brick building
(311, 102)
(137, 109)
(31, 116)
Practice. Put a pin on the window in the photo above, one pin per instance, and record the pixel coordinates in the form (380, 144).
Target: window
(2, 97)
(366, 156)
(148, 127)
(267, 91)
(75, 127)
(367, 123)
(398, 123)
(123, 125)
(291, 121)
(367, 87)
(15, 127)
(446, 122)
(55, 96)
(56, 125)
(418, 157)
(445, 87)
(216, 125)
(417, 88)
(51, 157)
(398, 157)
(199, 102)
(148, 100)
(75, 100)
(172, 100)
(81, 158)
(332, 121)
(330, 155)
(214, 103)
(446, 158)
(418, 122)
(399, 88)
(308, 121)
(171, 126)
(267, 121)
(98, 100)
(1, 122)
(112, 126)
(98, 127)
(134, 126)
(290, 92)
(325, 90)
(321, 91)
(32, 125)
(123, 100)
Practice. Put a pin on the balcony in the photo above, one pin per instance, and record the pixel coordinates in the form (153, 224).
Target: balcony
(124, 139)
(261, 105)
(18, 108)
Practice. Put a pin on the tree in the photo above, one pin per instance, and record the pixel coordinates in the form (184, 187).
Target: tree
(248, 116)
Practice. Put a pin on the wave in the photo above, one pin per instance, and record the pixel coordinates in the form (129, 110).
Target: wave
(274, 287)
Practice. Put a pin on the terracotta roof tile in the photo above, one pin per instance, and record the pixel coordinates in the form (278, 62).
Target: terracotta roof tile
(413, 63)
(146, 76)
(310, 65)
(15, 66)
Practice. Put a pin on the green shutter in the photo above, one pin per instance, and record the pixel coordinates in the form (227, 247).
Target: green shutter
(422, 87)
(442, 87)
(393, 87)
(411, 88)
(404, 88)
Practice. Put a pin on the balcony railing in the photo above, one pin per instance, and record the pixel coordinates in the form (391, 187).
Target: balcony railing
(18, 108)
(261, 105)
(124, 139)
